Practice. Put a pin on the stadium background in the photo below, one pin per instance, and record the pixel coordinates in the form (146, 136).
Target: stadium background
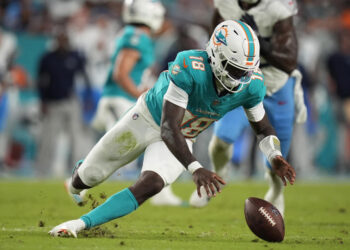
(321, 147)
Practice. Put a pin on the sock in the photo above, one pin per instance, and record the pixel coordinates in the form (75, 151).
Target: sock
(118, 205)
(72, 189)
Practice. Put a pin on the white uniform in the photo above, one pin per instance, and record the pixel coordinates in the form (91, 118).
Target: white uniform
(266, 14)
(135, 133)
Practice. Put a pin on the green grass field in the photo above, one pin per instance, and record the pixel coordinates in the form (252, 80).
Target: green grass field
(317, 217)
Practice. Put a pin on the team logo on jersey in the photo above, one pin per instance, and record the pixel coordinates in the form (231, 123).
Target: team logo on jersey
(220, 36)
(176, 69)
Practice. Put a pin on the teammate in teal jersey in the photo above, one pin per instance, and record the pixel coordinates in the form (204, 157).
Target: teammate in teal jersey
(199, 88)
(133, 56)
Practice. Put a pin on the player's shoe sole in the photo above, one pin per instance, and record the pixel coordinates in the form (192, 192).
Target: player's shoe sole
(77, 198)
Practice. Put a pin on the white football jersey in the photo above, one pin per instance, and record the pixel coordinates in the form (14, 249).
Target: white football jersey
(265, 14)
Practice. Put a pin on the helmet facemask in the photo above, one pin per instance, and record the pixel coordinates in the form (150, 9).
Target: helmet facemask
(232, 77)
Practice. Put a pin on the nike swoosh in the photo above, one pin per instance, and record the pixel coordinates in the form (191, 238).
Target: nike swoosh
(185, 66)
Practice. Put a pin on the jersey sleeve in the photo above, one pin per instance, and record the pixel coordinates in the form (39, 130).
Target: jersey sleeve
(180, 74)
(256, 90)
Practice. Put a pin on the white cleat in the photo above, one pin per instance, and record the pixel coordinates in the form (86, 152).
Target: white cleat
(275, 193)
(166, 197)
(77, 198)
(196, 201)
(68, 229)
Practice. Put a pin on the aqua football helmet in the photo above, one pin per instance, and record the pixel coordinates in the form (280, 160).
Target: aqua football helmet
(148, 12)
(234, 53)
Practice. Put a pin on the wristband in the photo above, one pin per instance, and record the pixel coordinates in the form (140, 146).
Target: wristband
(270, 146)
(194, 166)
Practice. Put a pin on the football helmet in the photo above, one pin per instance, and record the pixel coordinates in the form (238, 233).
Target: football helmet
(148, 12)
(234, 53)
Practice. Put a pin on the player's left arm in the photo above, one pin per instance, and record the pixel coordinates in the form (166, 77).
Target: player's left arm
(282, 48)
(269, 143)
(174, 106)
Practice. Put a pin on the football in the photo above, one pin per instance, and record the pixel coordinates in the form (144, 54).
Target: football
(264, 219)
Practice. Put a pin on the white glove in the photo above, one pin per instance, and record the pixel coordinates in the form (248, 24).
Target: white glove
(299, 105)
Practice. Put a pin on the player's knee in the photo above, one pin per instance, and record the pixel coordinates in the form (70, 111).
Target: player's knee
(152, 182)
(92, 176)
(149, 184)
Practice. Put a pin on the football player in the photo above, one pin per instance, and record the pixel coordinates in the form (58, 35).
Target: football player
(198, 89)
(134, 54)
(272, 21)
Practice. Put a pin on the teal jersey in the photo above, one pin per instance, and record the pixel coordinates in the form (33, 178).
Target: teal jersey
(191, 72)
(131, 38)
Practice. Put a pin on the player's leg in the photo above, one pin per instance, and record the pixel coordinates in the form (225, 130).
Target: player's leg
(226, 131)
(120, 145)
(160, 168)
(164, 158)
(109, 111)
(280, 110)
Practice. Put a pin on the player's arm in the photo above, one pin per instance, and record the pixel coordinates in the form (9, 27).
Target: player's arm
(124, 63)
(282, 49)
(269, 143)
(174, 106)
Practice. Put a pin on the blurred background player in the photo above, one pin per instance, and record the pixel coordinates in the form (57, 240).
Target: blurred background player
(127, 77)
(272, 20)
(60, 107)
(198, 89)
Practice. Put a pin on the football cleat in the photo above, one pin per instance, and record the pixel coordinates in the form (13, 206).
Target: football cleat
(166, 197)
(77, 198)
(68, 229)
(275, 193)
(196, 201)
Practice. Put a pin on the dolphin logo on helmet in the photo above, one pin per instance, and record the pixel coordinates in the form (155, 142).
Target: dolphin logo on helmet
(220, 36)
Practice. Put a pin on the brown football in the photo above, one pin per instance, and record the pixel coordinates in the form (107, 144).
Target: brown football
(264, 219)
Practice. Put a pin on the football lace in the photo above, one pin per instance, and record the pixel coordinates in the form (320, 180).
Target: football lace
(263, 211)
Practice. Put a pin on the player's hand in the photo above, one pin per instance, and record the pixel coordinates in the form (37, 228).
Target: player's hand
(283, 169)
(249, 19)
(209, 180)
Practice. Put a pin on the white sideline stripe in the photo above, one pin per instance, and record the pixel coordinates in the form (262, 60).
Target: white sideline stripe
(23, 229)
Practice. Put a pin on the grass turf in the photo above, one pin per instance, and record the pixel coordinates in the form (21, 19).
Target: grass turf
(317, 217)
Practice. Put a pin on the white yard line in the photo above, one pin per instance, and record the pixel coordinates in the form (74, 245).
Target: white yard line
(31, 229)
